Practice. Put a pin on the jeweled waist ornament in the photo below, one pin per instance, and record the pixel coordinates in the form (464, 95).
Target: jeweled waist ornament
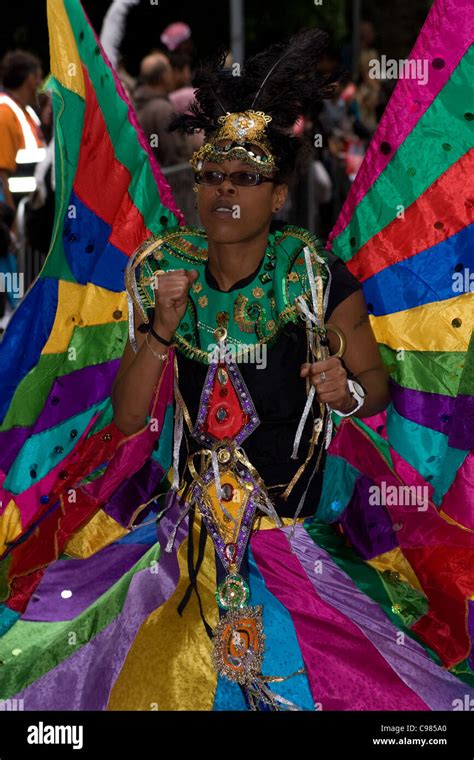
(228, 491)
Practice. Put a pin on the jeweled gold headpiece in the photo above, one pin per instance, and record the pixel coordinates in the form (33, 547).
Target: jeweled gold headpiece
(245, 130)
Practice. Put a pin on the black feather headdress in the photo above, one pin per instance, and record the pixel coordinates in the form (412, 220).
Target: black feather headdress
(282, 81)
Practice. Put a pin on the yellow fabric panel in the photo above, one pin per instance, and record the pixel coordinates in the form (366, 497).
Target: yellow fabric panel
(395, 561)
(100, 531)
(10, 525)
(169, 665)
(81, 306)
(262, 522)
(65, 60)
(429, 327)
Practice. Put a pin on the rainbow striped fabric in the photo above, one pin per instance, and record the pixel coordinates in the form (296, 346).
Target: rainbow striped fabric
(64, 342)
(88, 613)
(406, 231)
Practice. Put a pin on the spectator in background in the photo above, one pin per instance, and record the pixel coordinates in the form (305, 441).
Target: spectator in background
(21, 76)
(368, 93)
(129, 82)
(181, 100)
(366, 46)
(177, 38)
(183, 93)
(182, 73)
(154, 110)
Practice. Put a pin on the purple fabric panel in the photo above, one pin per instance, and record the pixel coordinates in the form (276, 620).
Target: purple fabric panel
(65, 399)
(133, 492)
(435, 685)
(452, 416)
(470, 628)
(87, 579)
(84, 681)
(461, 433)
(368, 526)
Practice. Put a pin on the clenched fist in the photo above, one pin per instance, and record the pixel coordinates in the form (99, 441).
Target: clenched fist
(171, 295)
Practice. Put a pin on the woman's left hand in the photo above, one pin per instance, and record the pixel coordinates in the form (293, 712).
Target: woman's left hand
(331, 386)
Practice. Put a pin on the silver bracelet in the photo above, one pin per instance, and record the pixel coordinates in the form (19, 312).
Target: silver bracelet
(163, 357)
(358, 394)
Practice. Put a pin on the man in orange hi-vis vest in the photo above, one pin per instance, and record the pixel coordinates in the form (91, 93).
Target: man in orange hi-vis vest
(21, 141)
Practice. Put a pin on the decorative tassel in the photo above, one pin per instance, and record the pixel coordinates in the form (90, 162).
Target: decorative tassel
(131, 324)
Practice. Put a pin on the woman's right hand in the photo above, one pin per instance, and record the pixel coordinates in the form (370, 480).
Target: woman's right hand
(171, 296)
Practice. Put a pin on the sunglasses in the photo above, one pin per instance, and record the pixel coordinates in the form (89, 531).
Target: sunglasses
(245, 179)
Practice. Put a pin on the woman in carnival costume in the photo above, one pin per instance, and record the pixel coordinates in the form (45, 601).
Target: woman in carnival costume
(253, 310)
(253, 335)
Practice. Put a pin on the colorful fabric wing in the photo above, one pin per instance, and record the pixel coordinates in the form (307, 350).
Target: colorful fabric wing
(64, 343)
(88, 603)
(406, 232)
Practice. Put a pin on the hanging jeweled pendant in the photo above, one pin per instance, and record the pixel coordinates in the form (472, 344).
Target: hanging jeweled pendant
(233, 591)
(226, 409)
(239, 644)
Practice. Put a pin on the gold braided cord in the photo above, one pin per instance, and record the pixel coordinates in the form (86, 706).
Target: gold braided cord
(312, 336)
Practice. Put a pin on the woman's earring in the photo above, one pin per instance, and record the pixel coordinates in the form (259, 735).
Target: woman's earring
(195, 188)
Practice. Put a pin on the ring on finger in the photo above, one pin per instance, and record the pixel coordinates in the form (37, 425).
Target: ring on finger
(323, 377)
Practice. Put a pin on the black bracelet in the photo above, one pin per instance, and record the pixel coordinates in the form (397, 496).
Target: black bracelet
(160, 339)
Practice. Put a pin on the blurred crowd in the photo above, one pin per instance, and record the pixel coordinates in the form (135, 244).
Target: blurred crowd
(339, 129)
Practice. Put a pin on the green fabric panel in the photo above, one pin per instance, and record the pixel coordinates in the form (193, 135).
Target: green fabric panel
(45, 645)
(338, 486)
(442, 124)
(430, 371)
(426, 450)
(4, 575)
(464, 671)
(143, 189)
(105, 418)
(365, 577)
(69, 109)
(93, 345)
(38, 450)
(164, 453)
(466, 386)
(413, 604)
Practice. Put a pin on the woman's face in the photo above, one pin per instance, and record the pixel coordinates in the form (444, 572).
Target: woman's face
(249, 209)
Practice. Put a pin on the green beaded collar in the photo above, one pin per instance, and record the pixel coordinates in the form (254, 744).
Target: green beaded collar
(254, 314)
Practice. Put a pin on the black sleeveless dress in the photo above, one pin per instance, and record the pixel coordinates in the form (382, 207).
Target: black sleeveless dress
(279, 395)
